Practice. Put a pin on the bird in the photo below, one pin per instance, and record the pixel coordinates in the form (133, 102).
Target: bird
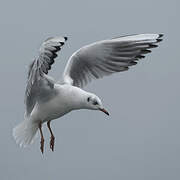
(47, 99)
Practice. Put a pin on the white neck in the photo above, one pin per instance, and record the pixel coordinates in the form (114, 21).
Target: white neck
(73, 97)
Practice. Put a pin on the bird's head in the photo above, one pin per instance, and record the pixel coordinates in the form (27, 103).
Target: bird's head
(93, 102)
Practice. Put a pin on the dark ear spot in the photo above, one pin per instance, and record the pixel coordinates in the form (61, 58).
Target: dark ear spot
(95, 103)
(88, 99)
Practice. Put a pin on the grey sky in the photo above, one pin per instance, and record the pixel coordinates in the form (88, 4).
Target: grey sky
(140, 139)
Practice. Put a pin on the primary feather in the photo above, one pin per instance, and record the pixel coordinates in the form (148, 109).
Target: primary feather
(106, 57)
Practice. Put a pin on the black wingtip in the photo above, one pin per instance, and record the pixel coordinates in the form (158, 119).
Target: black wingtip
(140, 56)
(66, 38)
(145, 51)
(159, 40)
(161, 35)
(153, 46)
(132, 63)
(57, 48)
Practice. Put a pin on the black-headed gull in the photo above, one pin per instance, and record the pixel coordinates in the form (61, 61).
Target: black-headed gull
(46, 99)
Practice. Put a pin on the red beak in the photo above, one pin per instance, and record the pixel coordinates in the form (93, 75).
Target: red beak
(104, 111)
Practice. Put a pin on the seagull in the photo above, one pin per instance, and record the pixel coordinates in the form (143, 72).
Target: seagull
(47, 99)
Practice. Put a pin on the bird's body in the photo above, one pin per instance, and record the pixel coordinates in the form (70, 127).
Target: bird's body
(64, 98)
(47, 100)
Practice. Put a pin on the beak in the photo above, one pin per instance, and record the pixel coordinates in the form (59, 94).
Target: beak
(104, 111)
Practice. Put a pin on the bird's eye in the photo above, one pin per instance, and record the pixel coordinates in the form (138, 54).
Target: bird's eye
(95, 103)
(88, 99)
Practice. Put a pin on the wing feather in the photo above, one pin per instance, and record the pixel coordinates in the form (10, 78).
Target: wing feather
(103, 58)
(38, 82)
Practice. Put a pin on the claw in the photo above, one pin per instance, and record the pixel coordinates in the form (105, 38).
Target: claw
(52, 143)
(52, 136)
(42, 145)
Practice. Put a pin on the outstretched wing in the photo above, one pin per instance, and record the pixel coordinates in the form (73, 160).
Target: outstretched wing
(106, 57)
(38, 82)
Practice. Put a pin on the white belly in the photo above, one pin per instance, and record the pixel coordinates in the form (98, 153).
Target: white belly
(58, 106)
(50, 110)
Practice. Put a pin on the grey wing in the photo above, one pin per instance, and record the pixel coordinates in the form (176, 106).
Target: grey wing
(38, 83)
(106, 57)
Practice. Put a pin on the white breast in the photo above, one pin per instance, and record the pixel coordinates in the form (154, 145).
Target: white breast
(67, 98)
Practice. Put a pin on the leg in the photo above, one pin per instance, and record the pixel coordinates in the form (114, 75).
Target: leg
(42, 138)
(52, 136)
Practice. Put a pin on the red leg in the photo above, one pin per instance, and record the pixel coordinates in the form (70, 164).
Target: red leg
(42, 138)
(52, 136)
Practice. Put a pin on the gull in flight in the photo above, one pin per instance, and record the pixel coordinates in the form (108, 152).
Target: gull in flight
(46, 99)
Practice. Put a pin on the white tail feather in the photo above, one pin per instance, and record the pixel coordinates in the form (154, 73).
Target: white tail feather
(24, 133)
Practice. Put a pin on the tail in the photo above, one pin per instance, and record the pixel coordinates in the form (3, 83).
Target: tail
(25, 132)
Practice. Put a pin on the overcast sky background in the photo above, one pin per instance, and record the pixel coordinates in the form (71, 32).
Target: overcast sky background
(140, 140)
